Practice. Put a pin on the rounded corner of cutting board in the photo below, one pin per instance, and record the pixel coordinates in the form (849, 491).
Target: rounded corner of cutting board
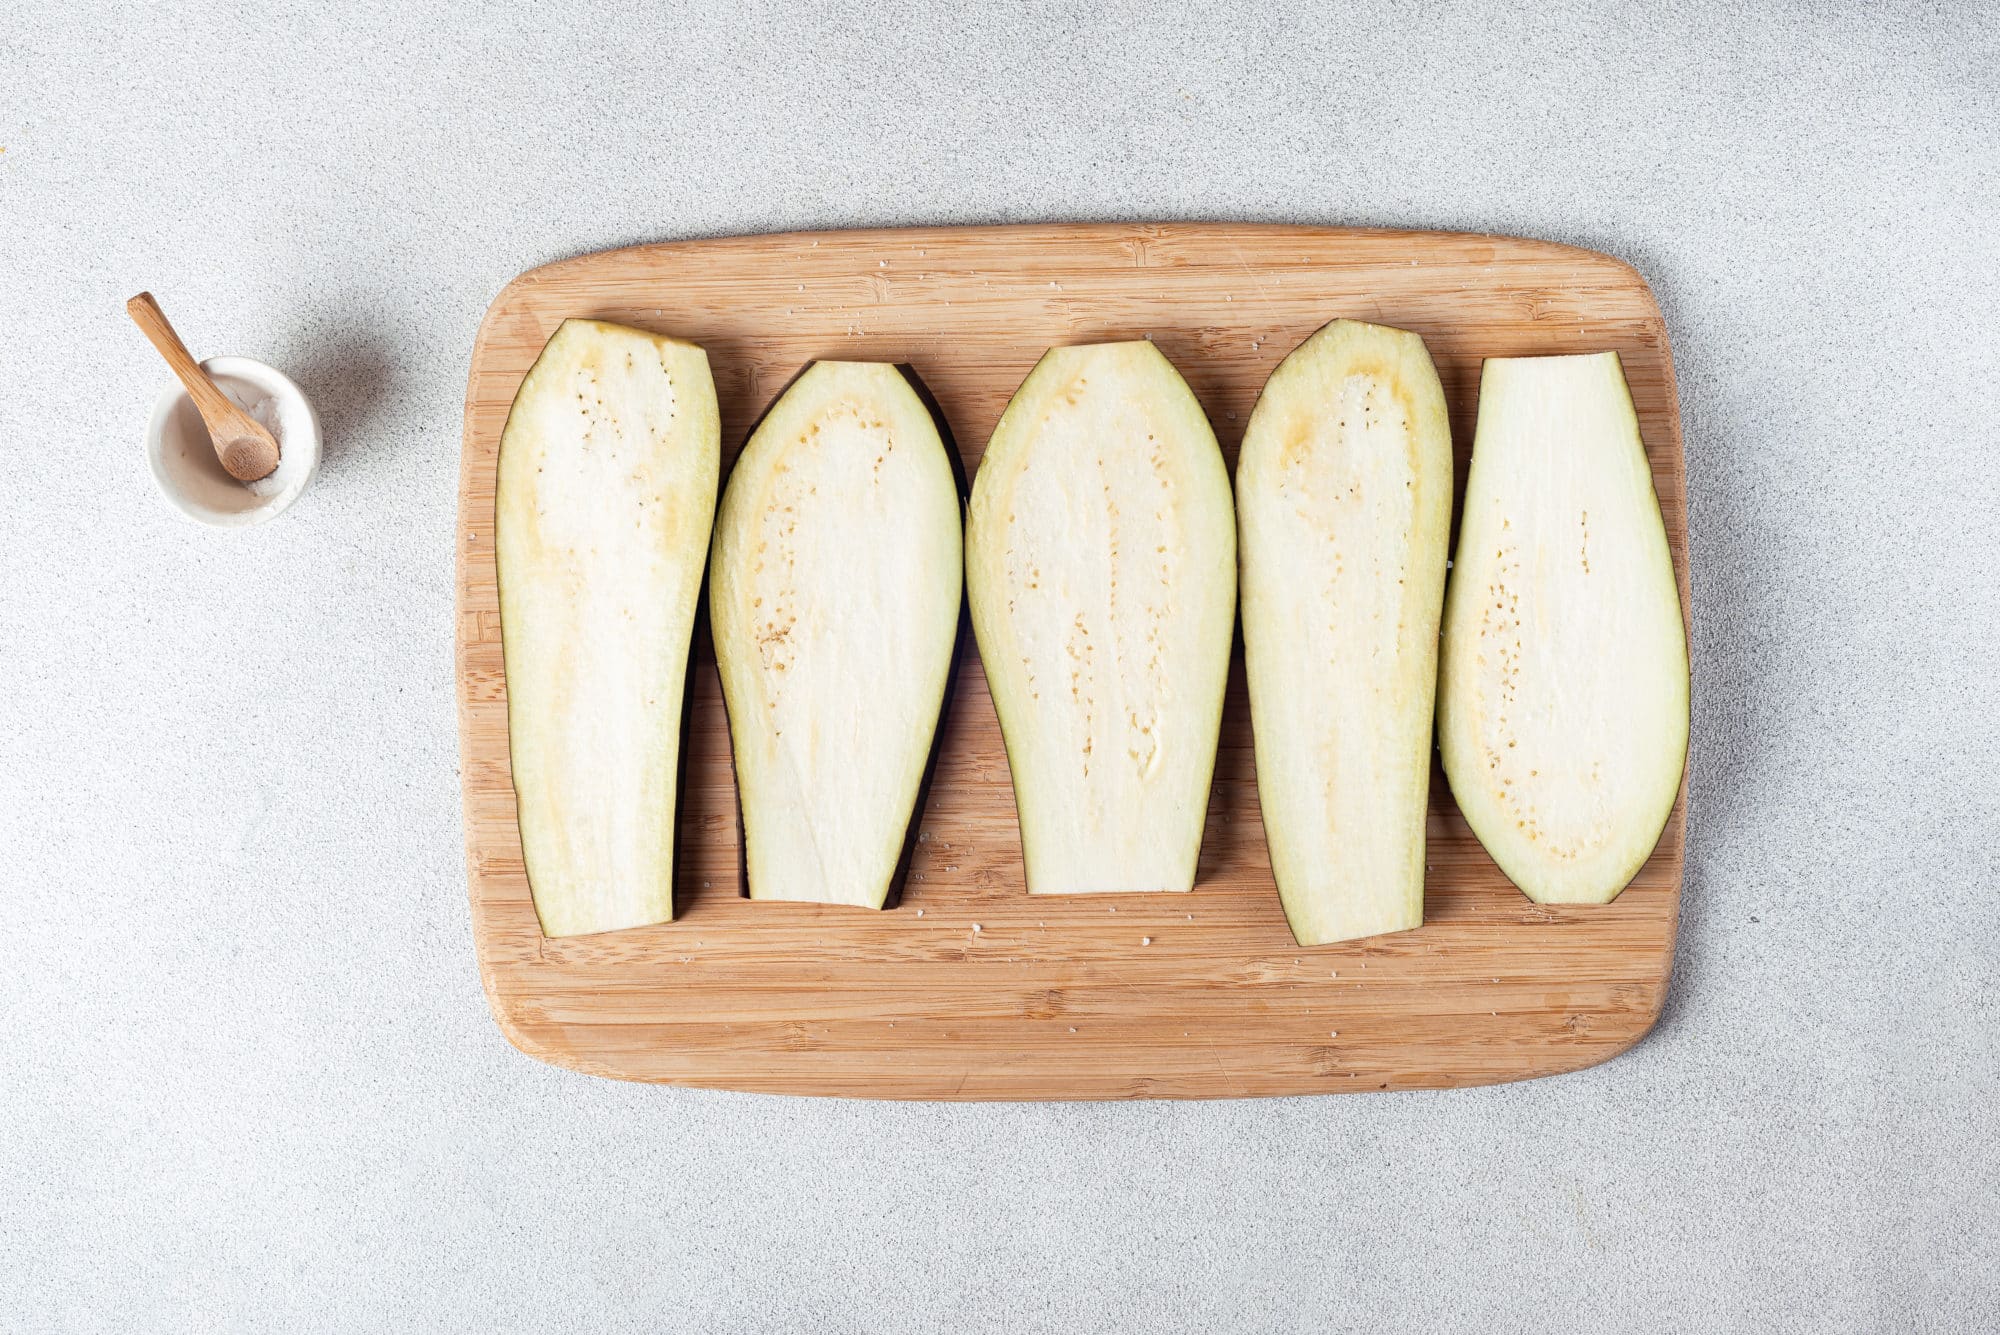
(511, 298)
(978, 1026)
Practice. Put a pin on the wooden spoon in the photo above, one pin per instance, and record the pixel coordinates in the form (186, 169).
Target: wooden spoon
(247, 450)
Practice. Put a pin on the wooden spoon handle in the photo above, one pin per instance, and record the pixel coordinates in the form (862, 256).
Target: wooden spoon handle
(216, 407)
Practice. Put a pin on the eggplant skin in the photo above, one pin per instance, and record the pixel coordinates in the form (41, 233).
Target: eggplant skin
(835, 591)
(1563, 679)
(602, 507)
(1343, 498)
(1101, 572)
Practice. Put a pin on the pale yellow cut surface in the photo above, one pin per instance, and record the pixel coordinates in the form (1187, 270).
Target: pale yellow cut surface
(1101, 569)
(605, 495)
(1563, 686)
(1343, 501)
(835, 595)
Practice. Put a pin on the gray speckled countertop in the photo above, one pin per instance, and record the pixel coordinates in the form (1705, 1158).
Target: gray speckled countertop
(247, 1079)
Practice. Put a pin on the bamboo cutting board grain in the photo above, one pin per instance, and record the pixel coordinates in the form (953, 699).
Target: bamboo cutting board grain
(970, 988)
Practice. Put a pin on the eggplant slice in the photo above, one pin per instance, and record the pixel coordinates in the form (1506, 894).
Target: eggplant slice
(834, 595)
(1343, 498)
(1563, 686)
(1101, 569)
(605, 494)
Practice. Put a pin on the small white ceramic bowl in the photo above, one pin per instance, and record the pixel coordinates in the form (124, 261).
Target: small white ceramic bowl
(183, 457)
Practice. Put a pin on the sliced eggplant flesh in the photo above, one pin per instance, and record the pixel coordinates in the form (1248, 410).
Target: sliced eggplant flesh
(834, 594)
(1101, 571)
(603, 503)
(1563, 684)
(1343, 499)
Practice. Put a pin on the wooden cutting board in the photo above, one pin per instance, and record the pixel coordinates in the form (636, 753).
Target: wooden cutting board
(970, 988)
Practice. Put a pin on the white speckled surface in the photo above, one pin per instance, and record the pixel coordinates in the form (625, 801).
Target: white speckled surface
(247, 1080)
